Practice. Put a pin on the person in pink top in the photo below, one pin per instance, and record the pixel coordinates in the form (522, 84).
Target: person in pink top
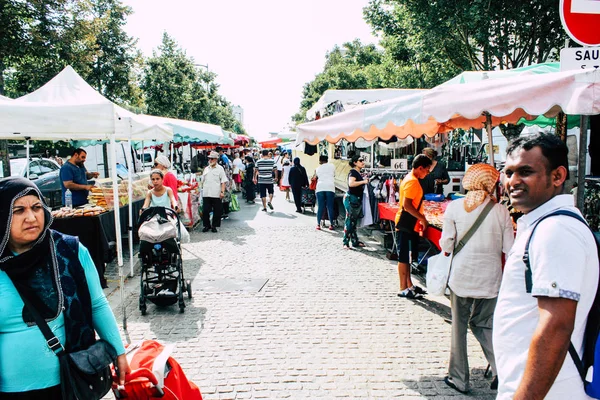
(170, 180)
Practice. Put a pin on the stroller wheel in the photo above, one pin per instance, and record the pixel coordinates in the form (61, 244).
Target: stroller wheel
(143, 309)
(188, 288)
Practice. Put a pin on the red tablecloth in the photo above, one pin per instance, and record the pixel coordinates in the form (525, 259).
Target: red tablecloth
(388, 212)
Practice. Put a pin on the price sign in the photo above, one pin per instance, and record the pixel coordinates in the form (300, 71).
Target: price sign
(400, 163)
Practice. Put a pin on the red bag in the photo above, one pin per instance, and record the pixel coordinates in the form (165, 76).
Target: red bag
(313, 183)
(154, 374)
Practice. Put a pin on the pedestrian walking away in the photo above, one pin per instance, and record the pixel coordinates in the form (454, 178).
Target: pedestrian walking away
(263, 176)
(284, 184)
(476, 269)
(409, 220)
(298, 180)
(213, 191)
(353, 202)
(249, 180)
(325, 175)
(543, 308)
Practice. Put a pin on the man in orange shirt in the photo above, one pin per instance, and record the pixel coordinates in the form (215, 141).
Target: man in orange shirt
(408, 219)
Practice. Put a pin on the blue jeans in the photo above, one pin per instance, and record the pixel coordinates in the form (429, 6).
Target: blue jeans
(325, 199)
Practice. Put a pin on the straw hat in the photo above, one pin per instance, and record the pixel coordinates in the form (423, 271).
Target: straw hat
(213, 154)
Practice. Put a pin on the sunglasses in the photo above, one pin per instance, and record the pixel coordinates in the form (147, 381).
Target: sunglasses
(361, 160)
(156, 164)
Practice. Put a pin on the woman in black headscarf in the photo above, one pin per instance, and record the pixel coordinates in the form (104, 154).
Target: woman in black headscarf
(56, 273)
(298, 180)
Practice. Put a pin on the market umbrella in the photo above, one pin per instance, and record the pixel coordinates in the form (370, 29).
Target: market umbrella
(449, 107)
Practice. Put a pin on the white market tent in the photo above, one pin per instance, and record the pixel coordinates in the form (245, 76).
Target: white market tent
(352, 98)
(448, 107)
(67, 108)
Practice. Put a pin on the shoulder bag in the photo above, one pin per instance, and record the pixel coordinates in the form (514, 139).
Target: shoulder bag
(84, 374)
(440, 265)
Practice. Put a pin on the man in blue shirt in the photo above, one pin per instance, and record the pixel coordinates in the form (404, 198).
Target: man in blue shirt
(74, 176)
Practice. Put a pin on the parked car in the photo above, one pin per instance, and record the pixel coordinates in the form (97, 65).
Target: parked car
(45, 173)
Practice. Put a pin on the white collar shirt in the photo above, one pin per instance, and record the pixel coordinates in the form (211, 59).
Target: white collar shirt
(564, 263)
(477, 269)
(212, 178)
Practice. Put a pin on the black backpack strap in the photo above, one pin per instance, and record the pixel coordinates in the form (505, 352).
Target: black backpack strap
(528, 273)
(593, 322)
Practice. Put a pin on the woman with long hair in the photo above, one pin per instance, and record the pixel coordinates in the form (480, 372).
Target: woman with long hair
(353, 202)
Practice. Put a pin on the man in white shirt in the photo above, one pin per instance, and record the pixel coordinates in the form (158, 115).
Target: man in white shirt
(213, 191)
(532, 331)
(476, 269)
(278, 159)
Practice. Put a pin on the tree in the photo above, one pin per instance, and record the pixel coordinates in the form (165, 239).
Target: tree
(474, 34)
(175, 88)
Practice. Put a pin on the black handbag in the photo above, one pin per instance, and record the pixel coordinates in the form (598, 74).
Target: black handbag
(407, 221)
(84, 374)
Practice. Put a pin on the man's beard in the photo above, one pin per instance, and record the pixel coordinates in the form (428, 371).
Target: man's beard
(79, 163)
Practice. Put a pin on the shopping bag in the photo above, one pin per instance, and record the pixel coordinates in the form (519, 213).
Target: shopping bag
(313, 183)
(438, 268)
(157, 230)
(234, 205)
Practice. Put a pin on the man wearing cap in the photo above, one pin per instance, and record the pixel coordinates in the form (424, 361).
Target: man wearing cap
(213, 190)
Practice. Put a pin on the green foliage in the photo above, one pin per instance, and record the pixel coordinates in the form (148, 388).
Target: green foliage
(473, 34)
(174, 87)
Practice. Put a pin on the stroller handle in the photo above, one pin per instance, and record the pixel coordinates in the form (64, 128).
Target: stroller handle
(142, 373)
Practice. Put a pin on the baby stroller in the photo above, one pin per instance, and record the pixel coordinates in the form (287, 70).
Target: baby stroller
(154, 374)
(162, 280)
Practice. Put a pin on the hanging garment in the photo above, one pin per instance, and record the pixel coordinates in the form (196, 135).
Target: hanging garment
(367, 219)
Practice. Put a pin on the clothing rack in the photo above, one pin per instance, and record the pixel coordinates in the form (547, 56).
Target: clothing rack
(386, 172)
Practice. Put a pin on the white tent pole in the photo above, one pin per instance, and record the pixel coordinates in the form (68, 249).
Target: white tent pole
(27, 156)
(130, 208)
(171, 154)
(113, 151)
(488, 128)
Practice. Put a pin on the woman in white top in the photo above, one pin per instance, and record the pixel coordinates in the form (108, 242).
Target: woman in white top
(325, 191)
(476, 271)
(159, 195)
(238, 167)
(284, 185)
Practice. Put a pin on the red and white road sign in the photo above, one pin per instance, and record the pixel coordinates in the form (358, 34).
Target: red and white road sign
(581, 19)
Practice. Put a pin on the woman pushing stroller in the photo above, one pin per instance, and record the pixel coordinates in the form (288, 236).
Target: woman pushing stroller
(160, 195)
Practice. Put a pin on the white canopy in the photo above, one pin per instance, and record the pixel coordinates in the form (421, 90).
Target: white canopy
(448, 107)
(67, 108)
(353, 98)
(4, 98)
(190, 131)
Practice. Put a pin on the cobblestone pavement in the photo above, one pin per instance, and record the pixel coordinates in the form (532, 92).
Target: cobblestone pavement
(326, 324)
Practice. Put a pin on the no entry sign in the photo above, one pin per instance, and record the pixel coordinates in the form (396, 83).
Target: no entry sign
(581, 19)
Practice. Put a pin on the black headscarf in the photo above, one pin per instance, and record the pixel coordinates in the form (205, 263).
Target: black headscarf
(19, 266)
(26, 270)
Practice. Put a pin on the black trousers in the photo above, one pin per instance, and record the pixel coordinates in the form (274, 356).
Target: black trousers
(250, 194)
(297, 192)
(216, 206)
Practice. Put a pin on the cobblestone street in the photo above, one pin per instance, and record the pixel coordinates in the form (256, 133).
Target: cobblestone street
(326, 324)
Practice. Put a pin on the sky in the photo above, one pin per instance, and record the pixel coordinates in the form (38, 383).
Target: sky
(263, 51)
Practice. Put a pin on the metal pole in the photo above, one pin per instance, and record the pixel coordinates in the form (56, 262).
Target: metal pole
(488, 128)
(373, 155)
(143, 158)
(130, 208)
(113, 150)
(583, 136)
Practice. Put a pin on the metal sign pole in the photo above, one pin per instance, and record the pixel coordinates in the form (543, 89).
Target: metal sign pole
(581, 161)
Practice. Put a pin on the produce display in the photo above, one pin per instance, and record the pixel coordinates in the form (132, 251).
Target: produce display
(85, 211)
(434, 212)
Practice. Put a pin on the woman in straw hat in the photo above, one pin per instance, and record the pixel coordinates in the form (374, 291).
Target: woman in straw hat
(476, 271)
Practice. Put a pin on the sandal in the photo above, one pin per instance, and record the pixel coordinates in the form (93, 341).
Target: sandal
(346, 247)
(359, 244)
